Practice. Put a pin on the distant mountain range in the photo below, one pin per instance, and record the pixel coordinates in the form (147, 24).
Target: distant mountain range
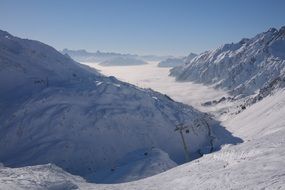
(122, 61)
(108, 59)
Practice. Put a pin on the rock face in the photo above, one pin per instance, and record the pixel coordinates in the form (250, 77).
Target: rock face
(242, 68)
(55, 110)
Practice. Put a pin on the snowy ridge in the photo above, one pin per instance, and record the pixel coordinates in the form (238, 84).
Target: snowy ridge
(55, 110)
(174, 62)
(243, 68)
(99, 57)
(255, 164)
(171, 62)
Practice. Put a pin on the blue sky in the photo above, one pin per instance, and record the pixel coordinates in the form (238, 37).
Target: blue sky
(163, 27)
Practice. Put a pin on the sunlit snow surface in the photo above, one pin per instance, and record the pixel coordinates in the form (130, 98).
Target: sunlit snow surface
(152, 76)
(257, 163)
(158, 79)
(55, 110)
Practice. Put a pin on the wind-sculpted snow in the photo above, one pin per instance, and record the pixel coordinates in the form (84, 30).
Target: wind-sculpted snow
(55, 110)
(242, 68)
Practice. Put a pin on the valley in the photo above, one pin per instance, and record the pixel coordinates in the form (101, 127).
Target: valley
(158, 79)
(216, 121)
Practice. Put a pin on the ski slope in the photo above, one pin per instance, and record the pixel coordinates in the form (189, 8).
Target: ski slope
(257, 163)
(55, 110)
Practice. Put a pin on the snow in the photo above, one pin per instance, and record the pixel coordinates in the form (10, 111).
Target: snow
(46, 176)
(55, 110)
(243, 67)
(140, 164)
(174, 62)
(156, 78)
(98, 56)
(255, 164)
(256, 161)
(267, 117)
(171, 62)
(277, 48)
(122, 61)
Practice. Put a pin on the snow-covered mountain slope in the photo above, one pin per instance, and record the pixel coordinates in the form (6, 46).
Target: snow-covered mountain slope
(48, 177)
(174, 62)
(189, 57)
(55, 110)
(122, 61)
(135, 165)
(243, 68)
(258, 163)
(171, 62)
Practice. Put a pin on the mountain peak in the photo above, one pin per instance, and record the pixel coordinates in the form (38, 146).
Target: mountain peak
(242, 69)
(4, 34)
(243, 41)
(282, 30)
(272, 30)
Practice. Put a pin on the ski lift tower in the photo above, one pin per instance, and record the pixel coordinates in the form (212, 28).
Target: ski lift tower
(180, 128)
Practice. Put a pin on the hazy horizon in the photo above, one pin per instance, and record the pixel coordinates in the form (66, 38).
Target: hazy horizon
(140, 27)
